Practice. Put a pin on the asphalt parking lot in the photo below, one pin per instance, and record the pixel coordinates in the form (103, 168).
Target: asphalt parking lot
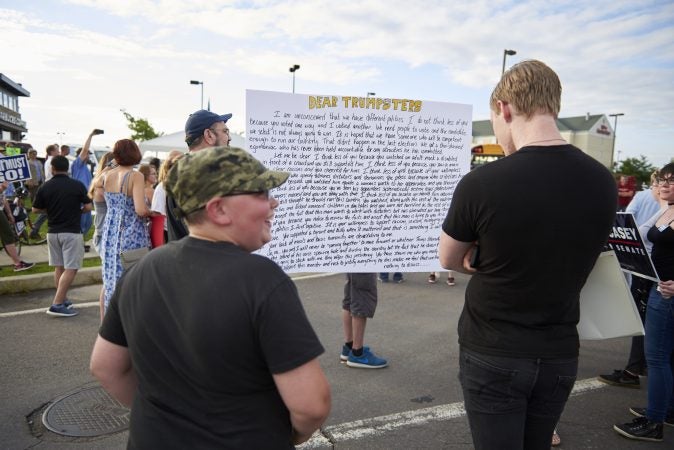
(414, 403)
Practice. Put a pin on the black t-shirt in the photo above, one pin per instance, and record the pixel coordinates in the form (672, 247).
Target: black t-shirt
(541, 216)
(62, 197)
(207, 324)
(175, 226)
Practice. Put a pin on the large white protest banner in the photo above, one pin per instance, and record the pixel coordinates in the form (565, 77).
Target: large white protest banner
(371, 178)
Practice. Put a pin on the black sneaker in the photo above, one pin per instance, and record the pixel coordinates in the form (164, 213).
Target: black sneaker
(641, 412)
(621, 378)
(640, 429)
(23, 265)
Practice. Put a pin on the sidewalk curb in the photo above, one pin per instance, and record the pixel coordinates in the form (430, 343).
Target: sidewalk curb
(19, 284)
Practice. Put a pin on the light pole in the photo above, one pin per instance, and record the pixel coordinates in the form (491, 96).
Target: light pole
(202, 90)
(60, 134)
(506, 53)
(615, 129)
(294, 69)
(370, 94)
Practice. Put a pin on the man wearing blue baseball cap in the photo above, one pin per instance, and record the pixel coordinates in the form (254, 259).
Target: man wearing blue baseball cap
(203, 129)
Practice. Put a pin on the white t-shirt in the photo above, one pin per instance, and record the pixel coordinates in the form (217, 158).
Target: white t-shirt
(47, 169)
(159, 200)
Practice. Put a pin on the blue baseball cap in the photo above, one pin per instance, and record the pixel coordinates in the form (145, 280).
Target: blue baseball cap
(197, 122)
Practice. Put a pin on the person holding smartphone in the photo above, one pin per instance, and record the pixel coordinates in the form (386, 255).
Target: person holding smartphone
(80, 171)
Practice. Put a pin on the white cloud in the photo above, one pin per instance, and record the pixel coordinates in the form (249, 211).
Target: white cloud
(611, 55)
(465, 38)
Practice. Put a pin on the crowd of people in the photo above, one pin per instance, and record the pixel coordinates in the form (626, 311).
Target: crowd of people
(234, 361)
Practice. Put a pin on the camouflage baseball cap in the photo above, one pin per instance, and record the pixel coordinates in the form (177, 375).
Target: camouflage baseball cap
(216, 172)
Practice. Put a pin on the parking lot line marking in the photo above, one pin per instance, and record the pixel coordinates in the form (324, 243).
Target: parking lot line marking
(42, 310)
(378, 425)
(316, 275)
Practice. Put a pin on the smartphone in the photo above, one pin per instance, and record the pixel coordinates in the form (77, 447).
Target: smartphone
(97, 131)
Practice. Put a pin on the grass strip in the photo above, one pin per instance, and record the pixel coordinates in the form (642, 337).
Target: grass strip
(8, 271)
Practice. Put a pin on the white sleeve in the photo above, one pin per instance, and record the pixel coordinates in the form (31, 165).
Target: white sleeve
(159, 200)
(47, 170)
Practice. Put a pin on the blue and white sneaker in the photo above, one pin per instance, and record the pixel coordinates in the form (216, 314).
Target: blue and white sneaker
(61, 311)
(345, 353)
(367, 360)
(67, 303)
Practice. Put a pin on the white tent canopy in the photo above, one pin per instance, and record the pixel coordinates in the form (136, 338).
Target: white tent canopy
(161, 146)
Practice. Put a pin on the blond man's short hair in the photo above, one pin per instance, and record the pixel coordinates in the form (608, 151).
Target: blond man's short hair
(531, 87)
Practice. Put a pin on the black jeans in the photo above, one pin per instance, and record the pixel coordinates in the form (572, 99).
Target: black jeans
(640, 288)
(514, 403)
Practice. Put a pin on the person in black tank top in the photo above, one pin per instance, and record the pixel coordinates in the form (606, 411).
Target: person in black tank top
(648, 425)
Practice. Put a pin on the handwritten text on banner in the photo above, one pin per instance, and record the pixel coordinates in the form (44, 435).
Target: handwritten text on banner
(371, 178)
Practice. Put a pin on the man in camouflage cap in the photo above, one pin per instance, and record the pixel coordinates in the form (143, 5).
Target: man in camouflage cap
(221, 358)
(229, 171)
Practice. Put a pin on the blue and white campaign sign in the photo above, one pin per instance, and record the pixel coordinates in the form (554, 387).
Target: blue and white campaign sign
(14, 168)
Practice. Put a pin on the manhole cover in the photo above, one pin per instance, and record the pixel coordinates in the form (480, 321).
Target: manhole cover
(89, 411)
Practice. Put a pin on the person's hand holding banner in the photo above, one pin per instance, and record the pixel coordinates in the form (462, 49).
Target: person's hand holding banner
(666, 288)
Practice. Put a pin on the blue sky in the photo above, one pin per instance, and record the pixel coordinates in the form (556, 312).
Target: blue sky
(84, 60)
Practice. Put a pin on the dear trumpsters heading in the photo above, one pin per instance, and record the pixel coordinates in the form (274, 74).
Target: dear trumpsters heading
(384, 104)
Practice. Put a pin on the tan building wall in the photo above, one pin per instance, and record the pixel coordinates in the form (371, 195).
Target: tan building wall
(596, 142)
(599, 147)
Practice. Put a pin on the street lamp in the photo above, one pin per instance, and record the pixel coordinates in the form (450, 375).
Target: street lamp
(294, 69)
(506, 53)
(615, 129)
(60, 134)
(202, 90)
(370, 94)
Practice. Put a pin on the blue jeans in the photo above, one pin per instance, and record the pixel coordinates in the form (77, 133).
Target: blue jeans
(397, 276)
(659, 346)
(514, 403)
(41, 218)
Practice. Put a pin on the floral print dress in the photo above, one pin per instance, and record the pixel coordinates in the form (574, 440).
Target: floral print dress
(123, 230)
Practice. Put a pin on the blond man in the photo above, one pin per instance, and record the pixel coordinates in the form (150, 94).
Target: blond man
(530, 237)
